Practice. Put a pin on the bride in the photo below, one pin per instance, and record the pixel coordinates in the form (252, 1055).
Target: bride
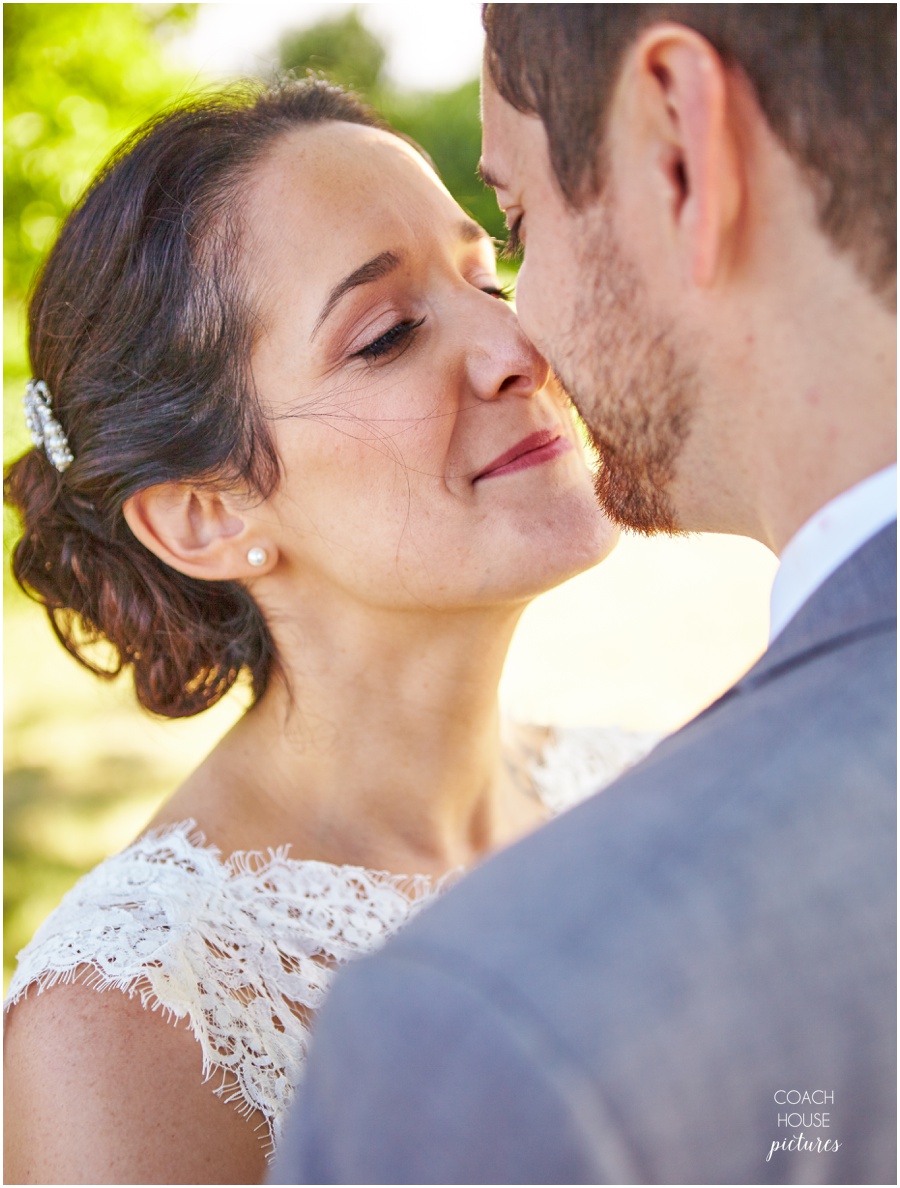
(285, 426)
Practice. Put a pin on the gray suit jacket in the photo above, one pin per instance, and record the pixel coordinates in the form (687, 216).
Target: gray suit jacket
(644, 990)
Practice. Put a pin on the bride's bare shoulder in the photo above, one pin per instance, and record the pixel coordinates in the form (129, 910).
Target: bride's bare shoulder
(99, 1089)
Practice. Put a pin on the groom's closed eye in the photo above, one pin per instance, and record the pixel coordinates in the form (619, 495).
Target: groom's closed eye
(513, 245)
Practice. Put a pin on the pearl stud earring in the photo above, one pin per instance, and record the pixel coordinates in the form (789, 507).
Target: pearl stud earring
(257, 557)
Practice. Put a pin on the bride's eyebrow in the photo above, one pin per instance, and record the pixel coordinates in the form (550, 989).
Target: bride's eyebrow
(381, 265)
(471, 232)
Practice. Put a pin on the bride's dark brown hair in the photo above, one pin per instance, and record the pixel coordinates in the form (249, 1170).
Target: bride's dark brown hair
(142, 330)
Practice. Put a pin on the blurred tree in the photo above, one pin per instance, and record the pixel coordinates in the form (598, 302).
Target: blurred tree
(342, 48)
(446, 123)
(77, 78)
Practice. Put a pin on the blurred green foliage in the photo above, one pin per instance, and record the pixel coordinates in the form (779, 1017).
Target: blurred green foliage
(344, 50)
(77, 79)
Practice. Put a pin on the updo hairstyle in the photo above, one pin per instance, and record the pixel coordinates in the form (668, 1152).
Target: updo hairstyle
(142, 330)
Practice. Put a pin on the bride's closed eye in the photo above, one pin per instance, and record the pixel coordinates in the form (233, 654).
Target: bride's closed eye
(392, 340)
(401, 334)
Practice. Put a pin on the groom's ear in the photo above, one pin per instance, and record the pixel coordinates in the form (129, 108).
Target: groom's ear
(676, 145)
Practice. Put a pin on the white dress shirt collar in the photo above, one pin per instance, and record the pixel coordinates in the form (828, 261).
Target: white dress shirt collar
(827, 539)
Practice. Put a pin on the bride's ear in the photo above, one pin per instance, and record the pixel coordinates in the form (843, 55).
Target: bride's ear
(198, 531)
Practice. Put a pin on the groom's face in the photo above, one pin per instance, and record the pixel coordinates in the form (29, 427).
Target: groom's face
(583, 299)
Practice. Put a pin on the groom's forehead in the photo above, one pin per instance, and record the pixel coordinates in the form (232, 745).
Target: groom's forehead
(513, 144)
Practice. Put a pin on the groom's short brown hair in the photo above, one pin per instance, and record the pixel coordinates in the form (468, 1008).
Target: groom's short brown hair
(824, 76)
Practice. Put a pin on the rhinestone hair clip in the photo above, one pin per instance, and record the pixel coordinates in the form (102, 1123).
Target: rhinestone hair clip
(43, 426)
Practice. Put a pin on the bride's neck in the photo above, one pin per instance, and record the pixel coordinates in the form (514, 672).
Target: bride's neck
(378, 744)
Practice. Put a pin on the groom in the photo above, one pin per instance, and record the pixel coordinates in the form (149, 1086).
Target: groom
(687, 979)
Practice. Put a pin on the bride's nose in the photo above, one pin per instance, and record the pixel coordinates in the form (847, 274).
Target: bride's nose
(501, 360)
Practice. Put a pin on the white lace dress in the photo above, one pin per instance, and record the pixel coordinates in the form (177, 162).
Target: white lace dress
(244, 950)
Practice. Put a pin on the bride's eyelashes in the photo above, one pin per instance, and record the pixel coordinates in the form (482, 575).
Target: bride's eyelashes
(391, 341)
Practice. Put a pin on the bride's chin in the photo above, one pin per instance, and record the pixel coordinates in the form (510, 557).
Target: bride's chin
(580, 561)
(549, 564)
(599, 540)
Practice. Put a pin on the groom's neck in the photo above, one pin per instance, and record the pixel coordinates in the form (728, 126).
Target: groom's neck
(798, 385)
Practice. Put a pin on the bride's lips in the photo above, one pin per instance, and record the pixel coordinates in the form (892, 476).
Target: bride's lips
(532, 450)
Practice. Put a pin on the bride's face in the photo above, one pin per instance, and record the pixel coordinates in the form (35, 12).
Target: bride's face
(427, 457)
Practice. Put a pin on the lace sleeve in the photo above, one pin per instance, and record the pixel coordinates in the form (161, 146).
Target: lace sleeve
(166, 920)
(244, 950)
